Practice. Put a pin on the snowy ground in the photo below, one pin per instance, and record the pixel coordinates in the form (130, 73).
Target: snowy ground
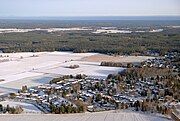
(15, 30)
(23, 65)
(27, 108)
(101, 116)
(14, 86)
(32, 69)
(112, 31)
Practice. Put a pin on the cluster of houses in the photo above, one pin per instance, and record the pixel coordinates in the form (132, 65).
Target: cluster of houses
(41, 96)
(163, 62)
(100, 95)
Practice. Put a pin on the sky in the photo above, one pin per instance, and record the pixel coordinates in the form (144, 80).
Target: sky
(37, 8)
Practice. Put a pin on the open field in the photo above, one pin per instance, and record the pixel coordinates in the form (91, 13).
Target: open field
(122, 59)
(14, 86)
(101, 116)
(32, 69)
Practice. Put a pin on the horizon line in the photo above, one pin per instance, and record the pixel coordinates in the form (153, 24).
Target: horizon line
(148, 17)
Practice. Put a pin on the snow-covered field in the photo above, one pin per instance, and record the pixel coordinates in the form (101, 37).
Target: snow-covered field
(108, 30)
(16, 30)
(32, 69)
(101, 116)
(112, 31)
(27, 108)
(126, 31)
(23, 65)
(14, 86)
(91, 69)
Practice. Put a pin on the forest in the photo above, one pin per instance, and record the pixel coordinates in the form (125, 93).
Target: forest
(86, 41)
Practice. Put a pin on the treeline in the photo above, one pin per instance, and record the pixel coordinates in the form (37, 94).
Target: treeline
(70, 108)
(111, 64)
(73, 66)
(66, 109)
(11, 110)
(116, 64)
(146, 105)
(62, 78)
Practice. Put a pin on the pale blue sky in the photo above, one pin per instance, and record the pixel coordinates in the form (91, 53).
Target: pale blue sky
(89, 7)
